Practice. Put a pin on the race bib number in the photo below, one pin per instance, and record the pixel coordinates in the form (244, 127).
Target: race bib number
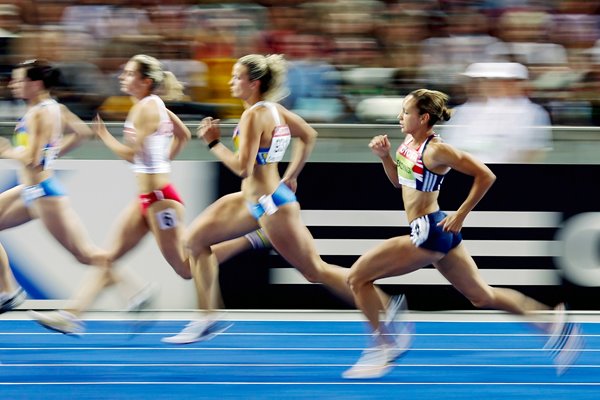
(31, 193)
(405, 168)
(167, 218)
(279, 144)
(267, 203)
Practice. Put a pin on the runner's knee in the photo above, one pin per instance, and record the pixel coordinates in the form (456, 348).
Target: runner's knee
(196, 243)
(183, 271)
(187, 275)
(88, 257)
(355, 281)
(312, 277)
(484, 300)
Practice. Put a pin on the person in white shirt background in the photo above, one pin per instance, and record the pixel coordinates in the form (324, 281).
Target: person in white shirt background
(499, 123)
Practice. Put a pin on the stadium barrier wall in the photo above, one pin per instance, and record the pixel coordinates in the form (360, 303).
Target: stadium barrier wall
(99, 192)
(537, 230)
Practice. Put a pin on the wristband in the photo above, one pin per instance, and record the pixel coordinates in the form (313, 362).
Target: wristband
(213, 143)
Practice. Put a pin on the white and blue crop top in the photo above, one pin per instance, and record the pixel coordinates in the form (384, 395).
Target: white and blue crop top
(411, 170)
(52, 147)
(154, 156)
(279, 143)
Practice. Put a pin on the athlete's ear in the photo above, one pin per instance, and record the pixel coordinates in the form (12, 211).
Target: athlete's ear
(148, 82)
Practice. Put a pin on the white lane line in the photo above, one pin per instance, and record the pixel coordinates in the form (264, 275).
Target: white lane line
(337, 383)
(137, 365)
(503, 335)
(271, 349)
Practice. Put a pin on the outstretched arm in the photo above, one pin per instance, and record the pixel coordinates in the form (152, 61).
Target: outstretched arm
(144, 119)
(8, 151)
(240, 163)
(380, 146)
(78, 131)
(121, 150)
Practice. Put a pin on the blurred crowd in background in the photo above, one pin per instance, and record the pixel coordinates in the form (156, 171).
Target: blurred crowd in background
(350, 60)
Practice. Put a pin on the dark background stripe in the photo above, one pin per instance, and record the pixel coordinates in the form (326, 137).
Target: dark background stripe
(363, 186)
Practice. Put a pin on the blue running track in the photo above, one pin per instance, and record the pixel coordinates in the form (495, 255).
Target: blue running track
(287, 360)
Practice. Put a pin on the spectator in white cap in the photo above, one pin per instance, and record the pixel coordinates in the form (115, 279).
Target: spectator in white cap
(499, 123)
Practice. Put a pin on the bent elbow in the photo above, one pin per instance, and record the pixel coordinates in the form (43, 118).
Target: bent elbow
(244, 173)
(312, 138)
(490, 179)
(29, 161)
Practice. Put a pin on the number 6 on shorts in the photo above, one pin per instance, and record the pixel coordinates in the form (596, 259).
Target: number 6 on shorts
(167, 218)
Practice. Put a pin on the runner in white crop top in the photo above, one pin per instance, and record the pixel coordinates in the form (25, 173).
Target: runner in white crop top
(154, 156)
(153, 137)
(46, 131)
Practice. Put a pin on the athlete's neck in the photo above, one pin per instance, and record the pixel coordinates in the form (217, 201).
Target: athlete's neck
(38, 98)
(252, 101)
(420, 137)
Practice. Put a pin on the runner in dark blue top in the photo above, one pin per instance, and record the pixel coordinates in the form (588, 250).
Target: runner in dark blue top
(418, 168)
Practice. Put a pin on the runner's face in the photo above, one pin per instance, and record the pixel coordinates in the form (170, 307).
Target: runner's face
(409, 118)
(132, 81)
(20, 86)
(239, 84)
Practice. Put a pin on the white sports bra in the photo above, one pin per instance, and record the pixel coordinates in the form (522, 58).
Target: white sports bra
(153, 158)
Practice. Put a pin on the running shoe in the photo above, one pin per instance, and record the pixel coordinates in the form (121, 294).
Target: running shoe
(142, 299)
(138, 303)
(396, 307)
(11, 301)
(59, 321)
(198, 331)
(372, 364)
(557, 326)
(565, 342)
(402, 339)
(395, 325)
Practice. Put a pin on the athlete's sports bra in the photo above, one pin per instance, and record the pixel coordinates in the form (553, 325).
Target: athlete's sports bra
(279, 143)
(411, 170)
(52, 148)
(154, 155)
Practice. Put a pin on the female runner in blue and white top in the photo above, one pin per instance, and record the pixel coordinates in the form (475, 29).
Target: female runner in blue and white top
(47, 131)
(418, 168)
(266, 199)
